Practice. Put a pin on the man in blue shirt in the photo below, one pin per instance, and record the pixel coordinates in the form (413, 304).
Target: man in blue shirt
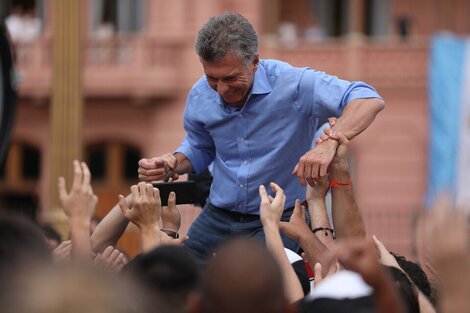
(255, 119)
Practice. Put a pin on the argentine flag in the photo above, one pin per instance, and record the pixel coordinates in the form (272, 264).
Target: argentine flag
(449, 99)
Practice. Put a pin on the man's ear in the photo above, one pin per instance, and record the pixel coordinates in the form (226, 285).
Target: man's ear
(194, 304)
(256, 62)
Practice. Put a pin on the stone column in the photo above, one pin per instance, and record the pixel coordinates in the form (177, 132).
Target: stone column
(66, 108)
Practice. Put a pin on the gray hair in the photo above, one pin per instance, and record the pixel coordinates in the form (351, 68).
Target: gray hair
(227, 33)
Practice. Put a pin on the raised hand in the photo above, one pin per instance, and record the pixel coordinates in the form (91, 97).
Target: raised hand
(111, 259)
(271, 208)
(62, 252)
(80, 203)
(297, 226)
(315, 162)
(359, 256)
(146, 206)
(386, 258)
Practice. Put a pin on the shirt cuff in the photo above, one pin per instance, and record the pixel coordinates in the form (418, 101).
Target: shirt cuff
(196, 160)
(362, 91)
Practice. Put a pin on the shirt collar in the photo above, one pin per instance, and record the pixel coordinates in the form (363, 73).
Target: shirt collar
(260, 84)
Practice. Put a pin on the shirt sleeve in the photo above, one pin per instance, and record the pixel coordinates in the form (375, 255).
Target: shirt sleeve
(198, 145)
(323, 95)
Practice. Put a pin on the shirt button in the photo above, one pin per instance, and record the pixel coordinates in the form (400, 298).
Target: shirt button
(242, 139)
(241, 186)
(245, 162)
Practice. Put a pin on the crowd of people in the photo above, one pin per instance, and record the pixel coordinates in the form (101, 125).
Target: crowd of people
(264, 241)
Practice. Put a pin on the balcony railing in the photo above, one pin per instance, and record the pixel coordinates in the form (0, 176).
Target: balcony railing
(148, 67)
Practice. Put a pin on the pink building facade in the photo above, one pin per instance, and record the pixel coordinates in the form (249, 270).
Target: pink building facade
(136, 81)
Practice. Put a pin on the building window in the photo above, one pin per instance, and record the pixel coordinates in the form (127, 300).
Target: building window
(313, 20)
(31, 163)
(113, 162)
(117, 16)
(19, 176)
(131, 162)
(96, 160)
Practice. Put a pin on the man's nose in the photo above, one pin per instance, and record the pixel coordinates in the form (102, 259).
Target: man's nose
(221, 87)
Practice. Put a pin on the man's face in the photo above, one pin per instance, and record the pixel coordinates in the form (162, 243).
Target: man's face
(231, 78)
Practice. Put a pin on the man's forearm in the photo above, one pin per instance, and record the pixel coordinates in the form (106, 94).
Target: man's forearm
(183, 165)
(274, 244)
(346, 216)
(110, 229)
(357, 116)
(80, 235)
(315, 251)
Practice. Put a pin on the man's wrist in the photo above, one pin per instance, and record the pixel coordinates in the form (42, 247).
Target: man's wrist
(170, 226)
(270, 226)
(149, 229)
(80, 222)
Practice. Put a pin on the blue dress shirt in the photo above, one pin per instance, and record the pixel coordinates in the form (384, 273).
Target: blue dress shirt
(262, 141)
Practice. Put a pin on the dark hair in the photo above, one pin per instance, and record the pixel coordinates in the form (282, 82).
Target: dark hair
(415, 273)
(406, 289)
(227, 33)
(169, 272)
(21, 243)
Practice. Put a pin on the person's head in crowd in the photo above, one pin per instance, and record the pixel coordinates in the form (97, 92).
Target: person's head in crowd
(406, 289)
(73, 290)
(228, 44)
(242, 277)
(416, 274)
(170, 274)
(343, 291)
(22, 243)
(52, 236)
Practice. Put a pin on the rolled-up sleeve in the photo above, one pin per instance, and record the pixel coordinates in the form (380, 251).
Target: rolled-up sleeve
(198, 145)
(323, 95)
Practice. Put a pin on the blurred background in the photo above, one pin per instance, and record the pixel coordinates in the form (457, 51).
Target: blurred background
(106, 81)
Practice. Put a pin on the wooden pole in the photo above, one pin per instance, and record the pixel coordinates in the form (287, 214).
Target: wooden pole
(66, 109)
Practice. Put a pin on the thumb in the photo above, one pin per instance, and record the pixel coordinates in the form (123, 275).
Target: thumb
(332, 121)
(263, 194)
(123, 205)
(380, 246)
(342, 139)
(317, 273)
(172, 199)
(294, 172)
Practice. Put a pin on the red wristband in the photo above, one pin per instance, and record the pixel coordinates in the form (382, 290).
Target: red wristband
(334, 183)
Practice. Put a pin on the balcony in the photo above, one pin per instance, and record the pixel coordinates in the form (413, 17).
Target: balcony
(155, 68)
(119, 67)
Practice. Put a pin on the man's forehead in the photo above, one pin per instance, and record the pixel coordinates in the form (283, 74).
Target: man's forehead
(228, 65)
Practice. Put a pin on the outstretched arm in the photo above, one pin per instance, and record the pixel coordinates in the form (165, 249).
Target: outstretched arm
(110, 229)
(79, 206)
(346, 216)
(270, 215)
(357, 116)
(316, 203)
(297, 229)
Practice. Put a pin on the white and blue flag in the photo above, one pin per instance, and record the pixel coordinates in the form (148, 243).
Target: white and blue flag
(449, 124)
